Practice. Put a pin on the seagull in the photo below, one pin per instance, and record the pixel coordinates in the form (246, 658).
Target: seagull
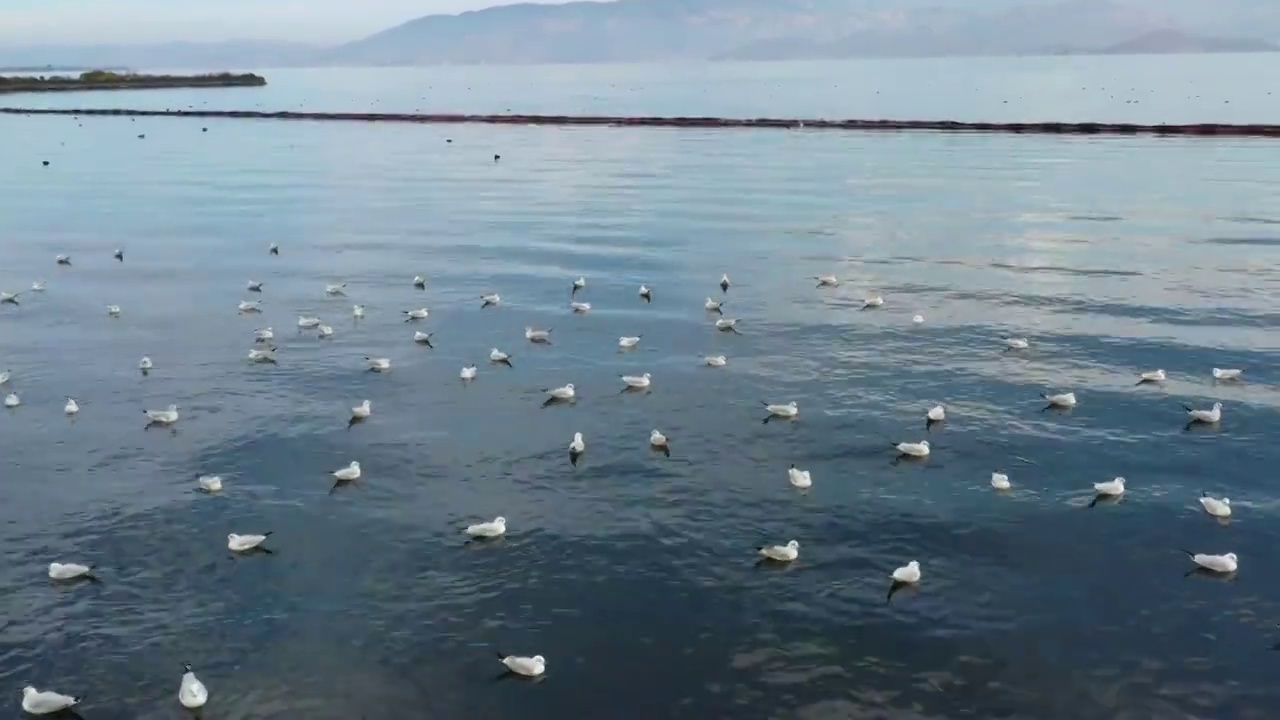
(490, 299)
(1211, 415)
(1224, 564)
(1221, 374)
(578, 284)
(9, 297)
(69, 571)
(537, 336)
(715, 360)
(274, 249)
(307, 323)
(249, 306)
(419, 314)
(423, 338)
(1000, 481)
(118, 255)
(113, 310)
(468, 373)
(145, 364)
(1062, 400)
(781, 553)
(580, 307)
(917, 319)
(874, 301)
(339, 289)
(46, 702)
(727, 325)
(659, 441)
(1110, 488)
(12, 400)
(789, 410)
(37, 286)
(348, 473)
(378, 364)
(209, 483)
(72, 407)
(357, 311)
(362, 411)
(724, 283)
(191, 692)
(492, 529)
(560, 393)
(167, 416)
(497, 356)
(1214, 506)
(1152, 376)
(526, 666)
(936, 414)
(646, 293)
(254, 286)
(638, 382)
(1015, 343)
(827, 280)
(245, 543)
(63, 259)
(713, 306)
(325, 331)
(262, 355)
(628, 342)
(919, 450)
(576, 448)
(4, 377)
(263, 334)
(799, 478)
(419, 282)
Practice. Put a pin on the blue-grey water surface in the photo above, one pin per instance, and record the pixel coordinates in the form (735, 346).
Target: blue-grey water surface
(635, 574)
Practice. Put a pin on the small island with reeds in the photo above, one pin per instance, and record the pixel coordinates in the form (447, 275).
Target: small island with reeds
(108, 80)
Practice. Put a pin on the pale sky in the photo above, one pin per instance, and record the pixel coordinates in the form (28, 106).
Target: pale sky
(43, 22)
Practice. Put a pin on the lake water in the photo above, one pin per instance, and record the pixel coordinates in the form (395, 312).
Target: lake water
(634, 574)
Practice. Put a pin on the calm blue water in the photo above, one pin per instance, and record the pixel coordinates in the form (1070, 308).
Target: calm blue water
(634, 574)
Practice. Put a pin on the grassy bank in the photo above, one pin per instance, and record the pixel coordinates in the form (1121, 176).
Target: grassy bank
(104, 80)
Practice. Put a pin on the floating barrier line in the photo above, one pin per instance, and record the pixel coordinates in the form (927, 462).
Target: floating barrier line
(1039, 128)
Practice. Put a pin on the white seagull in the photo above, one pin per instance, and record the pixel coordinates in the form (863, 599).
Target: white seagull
(715, 360)
(37, 286)
(724, 282)
(1224, 564)
(727, 325)
(638, 382)
(253, 286)
(580, 307)
(646, 293)
(909, 573)
(348, 473)
(1226, 374)
(713, 306)
(1063, 400)
(325, 331)
(827, 280)
(306, 322)
(1212, 415)
(1152, 376)
(526, 666)
(69, 571)
(937, 413)
(339, 289)
(12, 400)
(874, 301)
(1016, 343)
(488, 529)
(191, 692)
(249, 306)
(419, 314)
(576, 448)
(561, 393)
(490, 299)
(789, 410)
(920, 449)
(145, 363)
(63, 259)
(72, 407)
(1214, 506)
(578, 284)
(263, 334)
(917, 319)
(1000, 481)
(274, 249)
(659, 441)
(113, 310)
(537, 336)
(625, 342)
(9, 297)
(4, 377)
(262, 355)
(799, 478)
(496, 355)
(167, 416)
(209, 483)
(781, 553)
(419, 282)
(1110, 488)
(468, 373)
(46, 702)
(378, 364)
(423, 338)
(357, 311)
(362, 411)
(245, 543)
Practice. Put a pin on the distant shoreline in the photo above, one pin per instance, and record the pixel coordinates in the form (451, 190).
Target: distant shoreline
(105, 80)
(1037, 128)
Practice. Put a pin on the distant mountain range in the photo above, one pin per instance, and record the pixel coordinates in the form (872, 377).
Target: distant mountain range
(663, 30)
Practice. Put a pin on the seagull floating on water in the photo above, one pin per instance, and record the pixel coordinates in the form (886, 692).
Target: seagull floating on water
(715, 360)
(1062, 400)
(493, 529)
(113, 310)
(1110, 488)
(659, 441)
(580, 307)
(1212, 415)
(638, 382)
(646, 293)
(118, 255)
(167, 416)
(4, 377)
(937, 413)
(209, 483)
(1214, 506)
(362, 411)
(274, 249)
(9, 297)
(576, 447)
(357, 311)
(916, 449)
(249, 306)
(724, 283)
(497, 356)
(827, 280)
(307, 323)
(1152, 376)
(561, 393)
(423, 338)
(1227, 374)
(262, 355)
(1016, 343)
(713, 306)
(348, 473)
(72, 407)
(419, 314)
(1000, 481)
(63, 259)
(1224, 564)
(263, 334)
(799, 478)
(490, 299)
(253, 286)
(245, 543)
(69, 571)
(37, 286)
(789, 410)
(628, 342)
(728, 325)
(917, 319)
(191, 692)
(781, 553)
(378, 364)
(578, 285)
(339, 289)
(419, 282)
(537, 336)
(46, 702)
(468, 373)
(325, 331)
(872, 302)
(145, 364)
(12, 400)
(526, 666)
